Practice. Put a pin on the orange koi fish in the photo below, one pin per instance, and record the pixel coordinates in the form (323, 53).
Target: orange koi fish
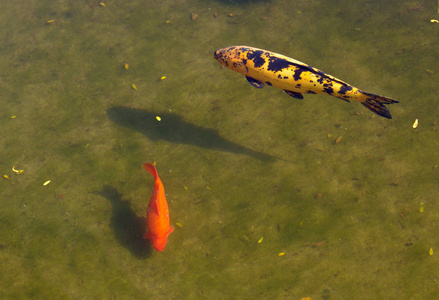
(157, 213)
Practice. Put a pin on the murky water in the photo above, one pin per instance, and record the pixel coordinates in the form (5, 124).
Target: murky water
(238, 164)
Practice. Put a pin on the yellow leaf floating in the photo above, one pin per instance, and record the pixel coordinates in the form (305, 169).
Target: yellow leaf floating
(6, 177)
(421, 209)
(431, 251)
(434, 21)
(179, 225)
(17, 171)
(158, 118)
(163, 78)
(281, 254)
(13, 117)
(134, 87)
(260, 240)
(415, 124)
(50, 21)
(102, 4)
(46, 183)
(127, 66)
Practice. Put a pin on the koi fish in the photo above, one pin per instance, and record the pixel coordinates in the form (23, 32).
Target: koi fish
(157, 213)
(296, 78)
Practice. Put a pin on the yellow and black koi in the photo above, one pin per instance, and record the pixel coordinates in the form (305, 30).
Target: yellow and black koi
(262, 67)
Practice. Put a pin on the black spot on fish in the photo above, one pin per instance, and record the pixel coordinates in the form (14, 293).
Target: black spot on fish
(279, 76)
(327, 88)
(320, 80)
(298, 86)
(256, 57)
(310, 92)
(297, 73)
(344, 89)
(276, 64)
(268, 83)
(285, 77)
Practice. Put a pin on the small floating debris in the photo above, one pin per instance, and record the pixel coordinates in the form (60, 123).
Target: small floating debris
(337, 141)
(127, 66)
(421, 209)
(102, 4)
(163, 78)
(415, 124)
(158, 118)
(6, 177)
(179, 225)
(434, 21)
(431, 251)
(134, 87)
(260, 240)
(13, 117)
(50, 21)
(46, 183)
(281, 254)
(194, 17)
(17, 171)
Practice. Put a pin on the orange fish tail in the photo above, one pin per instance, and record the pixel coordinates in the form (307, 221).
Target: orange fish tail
(150, 168)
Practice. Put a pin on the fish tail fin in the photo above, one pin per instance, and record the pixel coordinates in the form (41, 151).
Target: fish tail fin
(150, 168)
(376, 104)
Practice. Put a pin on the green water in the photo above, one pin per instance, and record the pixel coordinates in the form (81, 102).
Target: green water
(237, 163)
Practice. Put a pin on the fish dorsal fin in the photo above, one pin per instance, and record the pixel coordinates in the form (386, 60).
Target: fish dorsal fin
(152, 206)
(294, 94)
(256, 83)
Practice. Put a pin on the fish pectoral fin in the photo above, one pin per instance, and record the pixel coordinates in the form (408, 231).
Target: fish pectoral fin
(256, 83)
(294, 94)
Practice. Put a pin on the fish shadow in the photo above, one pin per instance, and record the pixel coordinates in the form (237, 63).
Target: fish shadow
(174, 129)
(127, 226)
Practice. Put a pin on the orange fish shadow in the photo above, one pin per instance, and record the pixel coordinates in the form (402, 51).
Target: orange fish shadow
(127, 226)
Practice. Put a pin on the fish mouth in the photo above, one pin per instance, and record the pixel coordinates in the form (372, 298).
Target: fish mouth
(221, 57)
(218, 54)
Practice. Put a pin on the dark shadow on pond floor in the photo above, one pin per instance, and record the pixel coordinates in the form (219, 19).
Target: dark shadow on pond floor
(127, 226)
(173, 128)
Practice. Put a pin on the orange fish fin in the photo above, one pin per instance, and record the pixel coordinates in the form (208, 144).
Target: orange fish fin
(171, 229)
(152, 206)
(150, 168)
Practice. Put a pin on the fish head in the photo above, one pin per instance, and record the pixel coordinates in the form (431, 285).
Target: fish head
(232, 58)
(159, 243)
